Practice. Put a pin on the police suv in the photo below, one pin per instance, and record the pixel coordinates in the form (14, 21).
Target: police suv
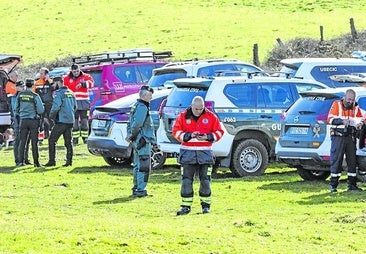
(305, 141)
(249, 110)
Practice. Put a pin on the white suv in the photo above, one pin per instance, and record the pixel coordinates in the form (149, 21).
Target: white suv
(249, 110)
(200, 68)
(324, 70)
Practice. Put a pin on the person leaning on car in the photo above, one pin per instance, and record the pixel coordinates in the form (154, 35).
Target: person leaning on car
(62, 114)
(79, 83)
(196, 129)
(28, 109)
(346, 118)
(140, 131)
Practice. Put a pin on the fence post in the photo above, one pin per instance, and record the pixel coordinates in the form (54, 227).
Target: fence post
(280, 43)
(321, 33)
(353, 30)
(255, 55)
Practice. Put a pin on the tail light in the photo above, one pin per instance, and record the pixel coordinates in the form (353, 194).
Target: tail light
(322, 118)
(161, 107)
(283, 116)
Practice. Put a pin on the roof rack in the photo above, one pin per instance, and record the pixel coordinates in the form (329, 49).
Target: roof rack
(250, 74)
(129, 55)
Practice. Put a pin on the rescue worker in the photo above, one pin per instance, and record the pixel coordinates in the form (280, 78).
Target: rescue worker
(28, 109)
(44, 87)
(140, 131)
(196, 128)
(346, 117)
(63, 114)
(79, 83)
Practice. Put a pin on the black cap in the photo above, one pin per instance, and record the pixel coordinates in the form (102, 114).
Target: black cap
(19, 83)
(74, 66)
(29, 82)
(147, 88)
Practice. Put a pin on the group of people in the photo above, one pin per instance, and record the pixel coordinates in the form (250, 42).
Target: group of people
(57, 106)
(196, 128)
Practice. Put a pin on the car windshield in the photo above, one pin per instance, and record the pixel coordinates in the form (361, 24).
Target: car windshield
(182, 96)
(311, 104)
(159, 79)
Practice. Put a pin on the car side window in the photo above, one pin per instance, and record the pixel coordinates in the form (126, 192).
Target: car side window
(278, 95)
(127, 74)
(241, 95)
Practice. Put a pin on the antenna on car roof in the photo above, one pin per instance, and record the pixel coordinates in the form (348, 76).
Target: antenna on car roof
(129, 55)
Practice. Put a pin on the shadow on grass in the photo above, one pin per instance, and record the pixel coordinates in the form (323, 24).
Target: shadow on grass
(320, 192)
(115, 201)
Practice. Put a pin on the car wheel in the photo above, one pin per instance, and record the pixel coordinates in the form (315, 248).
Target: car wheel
(312, 175)
(157, 158)
(119, 162)
(250, 158)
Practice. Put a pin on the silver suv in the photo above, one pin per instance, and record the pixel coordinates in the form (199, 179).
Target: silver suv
(249, 109)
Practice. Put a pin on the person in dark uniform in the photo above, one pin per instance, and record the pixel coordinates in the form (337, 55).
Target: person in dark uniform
(28, 109)
(140, 132)
(346, 117)
(63, 114)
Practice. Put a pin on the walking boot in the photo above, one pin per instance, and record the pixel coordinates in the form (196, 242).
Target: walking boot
(50, 164)
(205, 207)
(184, 210)
(333, 184)
(352, 184)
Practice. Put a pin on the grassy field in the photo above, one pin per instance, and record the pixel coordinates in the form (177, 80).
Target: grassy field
(86, 208)
(45, 30)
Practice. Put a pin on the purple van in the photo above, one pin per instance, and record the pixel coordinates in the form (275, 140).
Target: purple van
(120, 73)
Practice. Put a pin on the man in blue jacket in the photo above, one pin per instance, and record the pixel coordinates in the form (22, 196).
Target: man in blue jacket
(63, 114)
(140, 131)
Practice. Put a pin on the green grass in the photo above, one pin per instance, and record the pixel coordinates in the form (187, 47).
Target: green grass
(45, 30)
(86, 208)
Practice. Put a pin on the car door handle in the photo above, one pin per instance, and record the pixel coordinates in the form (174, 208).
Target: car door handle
(266, 116)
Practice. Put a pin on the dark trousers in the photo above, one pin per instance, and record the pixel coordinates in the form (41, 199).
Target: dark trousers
(81, 124)
(204, 173)
(16, 146)
(28, 129)
(59, 129)
(341, 146)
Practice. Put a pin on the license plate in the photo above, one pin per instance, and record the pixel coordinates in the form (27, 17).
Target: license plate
(299, 130)
(101, 123)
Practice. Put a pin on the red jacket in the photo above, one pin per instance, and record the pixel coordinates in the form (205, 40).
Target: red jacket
(207, 123)
(80, 91)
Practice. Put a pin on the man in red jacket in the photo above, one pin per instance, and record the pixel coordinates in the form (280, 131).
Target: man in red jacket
(196, 128)
(79, 83)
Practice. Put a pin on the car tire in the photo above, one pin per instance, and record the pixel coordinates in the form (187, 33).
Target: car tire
(158, 158)
(312, 175)
(250, 158)
(118, 162)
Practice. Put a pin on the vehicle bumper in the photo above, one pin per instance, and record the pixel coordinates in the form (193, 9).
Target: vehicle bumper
(108, 148)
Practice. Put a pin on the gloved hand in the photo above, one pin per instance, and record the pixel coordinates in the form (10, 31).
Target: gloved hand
(187, 136)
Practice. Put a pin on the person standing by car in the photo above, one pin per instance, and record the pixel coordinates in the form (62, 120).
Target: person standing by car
(44, 87)
(140, 131)
(196, 128)
(28, 109)
(346, 117)
(63, 114)
(79, 83)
